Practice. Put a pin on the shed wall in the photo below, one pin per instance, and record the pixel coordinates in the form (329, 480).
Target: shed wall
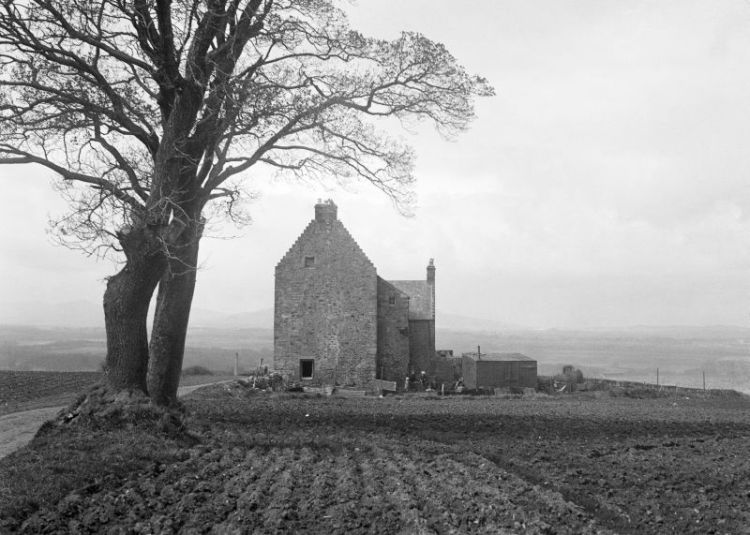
(499, 374)
(469, 370)
(505, 374)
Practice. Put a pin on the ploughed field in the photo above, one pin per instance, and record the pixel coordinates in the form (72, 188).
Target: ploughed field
(24, 390)
(27, 390)
(291, 463)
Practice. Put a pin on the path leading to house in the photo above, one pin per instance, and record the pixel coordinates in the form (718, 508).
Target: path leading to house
(18, 428)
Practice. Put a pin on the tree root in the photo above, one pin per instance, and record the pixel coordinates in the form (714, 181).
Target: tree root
(102, 407)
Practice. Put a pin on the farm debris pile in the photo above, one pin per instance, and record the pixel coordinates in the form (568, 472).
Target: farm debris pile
(240, 388)
(284, 463)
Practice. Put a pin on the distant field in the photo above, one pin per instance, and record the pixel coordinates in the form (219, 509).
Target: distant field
(22, 390)
(682, 355)
(27, 390)
(84, 349)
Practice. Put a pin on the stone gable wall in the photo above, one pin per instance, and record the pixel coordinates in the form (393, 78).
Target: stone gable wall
(328, 310)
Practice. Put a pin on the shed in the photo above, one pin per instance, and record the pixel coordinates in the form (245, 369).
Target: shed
(498, 370)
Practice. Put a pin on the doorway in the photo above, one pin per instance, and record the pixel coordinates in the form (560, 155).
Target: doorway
(306, 368)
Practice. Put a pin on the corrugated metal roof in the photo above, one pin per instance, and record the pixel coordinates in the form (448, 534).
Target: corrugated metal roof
(420, 298)
(500, 357)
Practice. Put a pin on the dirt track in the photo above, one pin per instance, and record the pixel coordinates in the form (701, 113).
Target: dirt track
(18, 428)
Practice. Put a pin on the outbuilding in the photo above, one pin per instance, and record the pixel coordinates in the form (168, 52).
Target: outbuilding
(498, 370)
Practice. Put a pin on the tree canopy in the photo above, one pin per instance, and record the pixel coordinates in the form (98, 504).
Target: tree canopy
(115, 94)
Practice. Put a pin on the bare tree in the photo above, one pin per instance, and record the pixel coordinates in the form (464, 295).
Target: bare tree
(151, 110)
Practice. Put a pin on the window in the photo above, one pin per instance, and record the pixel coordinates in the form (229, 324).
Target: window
(309, 261)
(306, 367)
(392, 300)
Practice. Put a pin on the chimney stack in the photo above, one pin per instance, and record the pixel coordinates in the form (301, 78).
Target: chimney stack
(325, 211)
(431, 272)
(431, 283)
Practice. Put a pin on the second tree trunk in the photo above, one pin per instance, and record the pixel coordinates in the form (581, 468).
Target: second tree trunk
(171, 317)
(126, 302)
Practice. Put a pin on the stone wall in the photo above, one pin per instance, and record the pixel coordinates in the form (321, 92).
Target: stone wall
(393, 333)
(326, 305)
(422, 346)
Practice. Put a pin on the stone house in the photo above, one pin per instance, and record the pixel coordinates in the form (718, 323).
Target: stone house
(337, 322)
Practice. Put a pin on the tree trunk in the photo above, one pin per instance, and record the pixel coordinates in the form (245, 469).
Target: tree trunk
(172, 314)
(126, 302)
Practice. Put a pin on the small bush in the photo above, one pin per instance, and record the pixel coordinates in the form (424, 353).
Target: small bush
(196, 370)
(572, 375)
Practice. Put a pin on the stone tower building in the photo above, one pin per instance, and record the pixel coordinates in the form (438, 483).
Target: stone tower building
(337, 322)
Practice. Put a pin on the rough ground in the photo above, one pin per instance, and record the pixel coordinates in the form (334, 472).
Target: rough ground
(22, 414)
(271, 463)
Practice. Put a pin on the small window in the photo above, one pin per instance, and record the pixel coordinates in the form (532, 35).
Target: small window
(306, 368)
(309, 261)
(392, 300)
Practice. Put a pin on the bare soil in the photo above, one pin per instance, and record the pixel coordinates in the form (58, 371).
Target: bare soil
(282, 463)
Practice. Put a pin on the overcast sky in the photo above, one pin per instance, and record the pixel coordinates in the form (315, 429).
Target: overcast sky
(607, 183)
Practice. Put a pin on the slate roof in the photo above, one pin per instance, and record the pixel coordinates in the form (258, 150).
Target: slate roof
(420, 298)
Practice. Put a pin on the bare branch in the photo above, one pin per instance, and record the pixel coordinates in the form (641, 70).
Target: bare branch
(154, 106)
(19, 157)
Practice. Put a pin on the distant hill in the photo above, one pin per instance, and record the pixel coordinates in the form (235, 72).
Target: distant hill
(82, 314)
(456, 322)
(258, 319)
(42, 314)
(77, 314)
(89, 314)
